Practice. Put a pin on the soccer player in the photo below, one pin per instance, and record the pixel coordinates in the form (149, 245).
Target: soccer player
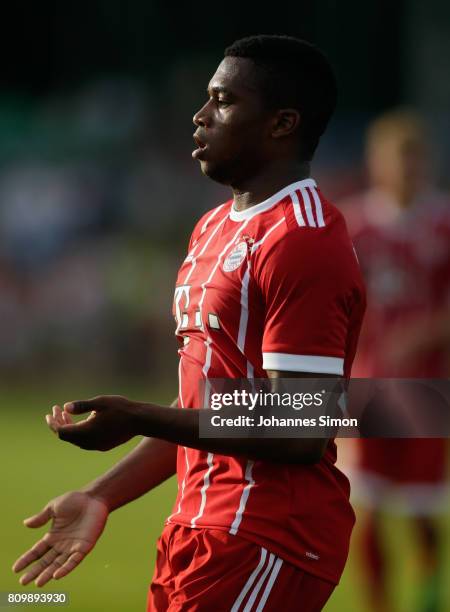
(270, 288)
(401, 231)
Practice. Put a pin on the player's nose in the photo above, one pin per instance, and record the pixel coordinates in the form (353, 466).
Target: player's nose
(201, 118)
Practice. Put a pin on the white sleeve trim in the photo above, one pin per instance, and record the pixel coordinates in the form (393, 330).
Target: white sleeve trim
(303, 363)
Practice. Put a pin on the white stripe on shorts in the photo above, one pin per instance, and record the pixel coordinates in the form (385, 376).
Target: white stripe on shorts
(250, 581)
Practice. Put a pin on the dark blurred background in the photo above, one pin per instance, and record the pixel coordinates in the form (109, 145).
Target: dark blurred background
(98, 191)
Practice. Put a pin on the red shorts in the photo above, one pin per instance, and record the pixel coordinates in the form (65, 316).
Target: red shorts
(208, 569)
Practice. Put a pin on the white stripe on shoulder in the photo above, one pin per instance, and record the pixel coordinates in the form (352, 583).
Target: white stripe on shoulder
(318, 204)
(249, 213)
(270, 583)
(307, 205)
(297, 210)
(250, 581)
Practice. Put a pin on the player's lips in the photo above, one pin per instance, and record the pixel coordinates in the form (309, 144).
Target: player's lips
(202, 147)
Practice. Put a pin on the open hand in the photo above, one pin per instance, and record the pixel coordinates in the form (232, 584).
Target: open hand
(78, 520)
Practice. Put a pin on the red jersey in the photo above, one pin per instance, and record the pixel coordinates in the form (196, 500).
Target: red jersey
(405, 261)
(273, 287)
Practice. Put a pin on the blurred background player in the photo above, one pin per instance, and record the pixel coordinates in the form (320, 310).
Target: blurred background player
(401, 228)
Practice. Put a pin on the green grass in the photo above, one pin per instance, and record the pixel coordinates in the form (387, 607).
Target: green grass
(35, 467)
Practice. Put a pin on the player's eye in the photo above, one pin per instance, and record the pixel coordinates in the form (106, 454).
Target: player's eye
(223, 103)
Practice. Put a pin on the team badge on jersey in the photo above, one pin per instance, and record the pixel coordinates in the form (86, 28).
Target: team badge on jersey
(235, 258)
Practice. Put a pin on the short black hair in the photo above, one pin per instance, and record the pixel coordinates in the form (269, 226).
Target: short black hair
(296, 74)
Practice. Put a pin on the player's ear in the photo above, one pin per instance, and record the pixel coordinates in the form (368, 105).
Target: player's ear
(286, 122)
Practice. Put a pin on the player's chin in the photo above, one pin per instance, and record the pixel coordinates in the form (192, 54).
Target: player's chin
(215, 171)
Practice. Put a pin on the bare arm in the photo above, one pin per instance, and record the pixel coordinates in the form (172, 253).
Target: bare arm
(182, 427)
(143, 469)
(150, 463)
(114, 420)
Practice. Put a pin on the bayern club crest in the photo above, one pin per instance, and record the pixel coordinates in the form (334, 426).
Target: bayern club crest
(235, 258)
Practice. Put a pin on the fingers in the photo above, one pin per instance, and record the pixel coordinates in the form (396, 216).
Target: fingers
(59, 567)
(80, 407)
(47, 573)
(81, 434)
(67, 418)
(37, 551)
(44, 563)
(51, 422)
(53, 564)
(57, 419)
(61, 416)
(56, 411)
(71, 563)
(39, 519)
(98, 403)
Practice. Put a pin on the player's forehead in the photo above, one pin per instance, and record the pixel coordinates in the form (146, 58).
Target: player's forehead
(235, 75)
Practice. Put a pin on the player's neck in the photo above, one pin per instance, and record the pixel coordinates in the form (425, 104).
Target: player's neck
(270, 180)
